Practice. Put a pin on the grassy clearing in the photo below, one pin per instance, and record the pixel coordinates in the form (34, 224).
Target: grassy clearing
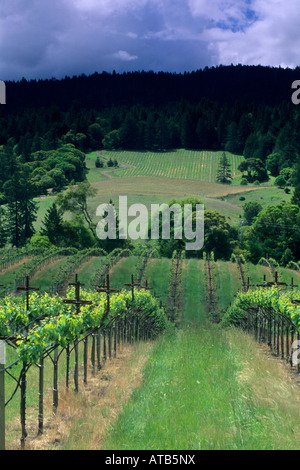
(263, 195)
(257, 273)
(200, 392)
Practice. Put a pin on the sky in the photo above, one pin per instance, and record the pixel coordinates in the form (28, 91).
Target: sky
(55, 38)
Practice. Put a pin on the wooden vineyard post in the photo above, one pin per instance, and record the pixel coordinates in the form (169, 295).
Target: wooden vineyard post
(27, 288)
(78, 304)
(277, 335)
(292, 341)
(115, 337)
(269, 329)
(41, 396)
(109, 342)
(67, 365)
(145, 287)
(23, 405)
(85, 359)
(76, 365)
(287, 339)
(2, 395)
(282, 338)
(98, 347)
(132, 285)
(93, 352)
(107, 289)
(104, 345)
(55, 380)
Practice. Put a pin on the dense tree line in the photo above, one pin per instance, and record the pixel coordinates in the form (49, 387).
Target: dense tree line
(270, 134)
(244, 110)
(47, 127)
(240, 83)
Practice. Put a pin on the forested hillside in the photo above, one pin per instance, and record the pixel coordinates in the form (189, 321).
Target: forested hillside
(49, 126)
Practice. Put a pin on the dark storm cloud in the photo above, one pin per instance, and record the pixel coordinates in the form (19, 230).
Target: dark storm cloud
(45, 38)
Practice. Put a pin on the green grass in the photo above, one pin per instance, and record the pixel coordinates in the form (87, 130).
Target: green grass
(227, 283)
(121, 272)
(194, 288)
(8, 276)
(157, 272)
(88, 269)
(263, 195)
(256, 273)
(194, 396)
(286, 275)
(45, 278)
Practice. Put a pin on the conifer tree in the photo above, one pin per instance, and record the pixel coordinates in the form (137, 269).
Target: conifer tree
(224, 170)
(53, 225)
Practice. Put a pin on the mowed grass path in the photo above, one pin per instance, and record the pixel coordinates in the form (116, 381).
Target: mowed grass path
(208, 388)
(182, 164)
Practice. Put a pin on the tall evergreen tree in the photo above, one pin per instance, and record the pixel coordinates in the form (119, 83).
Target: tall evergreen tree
(53, 225)
(224, 170)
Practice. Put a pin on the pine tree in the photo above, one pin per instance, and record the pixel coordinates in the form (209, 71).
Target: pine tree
(224, 170)
(53, 225)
